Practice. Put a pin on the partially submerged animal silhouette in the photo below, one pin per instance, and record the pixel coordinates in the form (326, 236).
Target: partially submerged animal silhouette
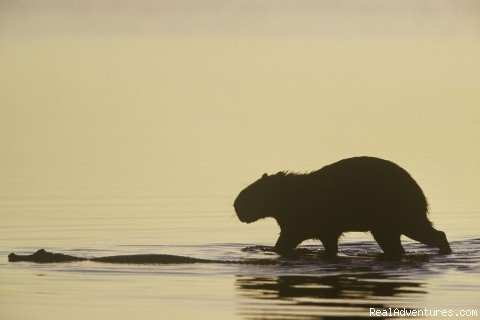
(355, 194)
(43, 256)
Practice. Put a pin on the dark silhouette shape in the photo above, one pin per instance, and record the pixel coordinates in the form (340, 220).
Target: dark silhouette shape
(355, 194)
(42, 256)
(316, 296)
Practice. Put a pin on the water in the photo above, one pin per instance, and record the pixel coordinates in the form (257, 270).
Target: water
(303, 287)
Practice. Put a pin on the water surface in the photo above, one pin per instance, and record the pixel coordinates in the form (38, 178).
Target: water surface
(306, 286)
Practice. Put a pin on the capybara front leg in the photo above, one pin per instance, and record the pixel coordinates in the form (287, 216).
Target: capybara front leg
(286, 243)
(431, 237)
(389, 241)
(330, 243)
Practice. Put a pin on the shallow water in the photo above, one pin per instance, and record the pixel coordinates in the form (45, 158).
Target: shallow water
(306, 286)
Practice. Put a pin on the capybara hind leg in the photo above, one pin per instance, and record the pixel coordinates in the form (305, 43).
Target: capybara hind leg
(389, 241)
(286, 243)
(430, 236)
(330, 243)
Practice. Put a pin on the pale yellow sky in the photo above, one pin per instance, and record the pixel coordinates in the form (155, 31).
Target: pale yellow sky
(175, 98)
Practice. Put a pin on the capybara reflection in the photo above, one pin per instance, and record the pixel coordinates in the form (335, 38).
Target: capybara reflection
(354, 194)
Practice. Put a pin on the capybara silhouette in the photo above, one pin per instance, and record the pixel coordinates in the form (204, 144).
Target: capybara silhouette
(354, 194)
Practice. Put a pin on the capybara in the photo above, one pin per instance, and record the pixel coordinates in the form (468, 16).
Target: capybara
(354, 194)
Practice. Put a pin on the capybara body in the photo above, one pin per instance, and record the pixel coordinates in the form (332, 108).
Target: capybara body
(354, 194)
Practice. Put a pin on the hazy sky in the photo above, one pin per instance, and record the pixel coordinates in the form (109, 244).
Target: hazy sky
(202, 97)
(302, 18)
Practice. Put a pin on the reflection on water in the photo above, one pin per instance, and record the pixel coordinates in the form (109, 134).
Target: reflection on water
(340, 295)
(312, 286)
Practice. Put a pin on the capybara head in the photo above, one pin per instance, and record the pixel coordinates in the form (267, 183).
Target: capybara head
(259, 199)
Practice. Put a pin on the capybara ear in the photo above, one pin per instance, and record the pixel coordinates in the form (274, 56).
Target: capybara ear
(264, 176)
